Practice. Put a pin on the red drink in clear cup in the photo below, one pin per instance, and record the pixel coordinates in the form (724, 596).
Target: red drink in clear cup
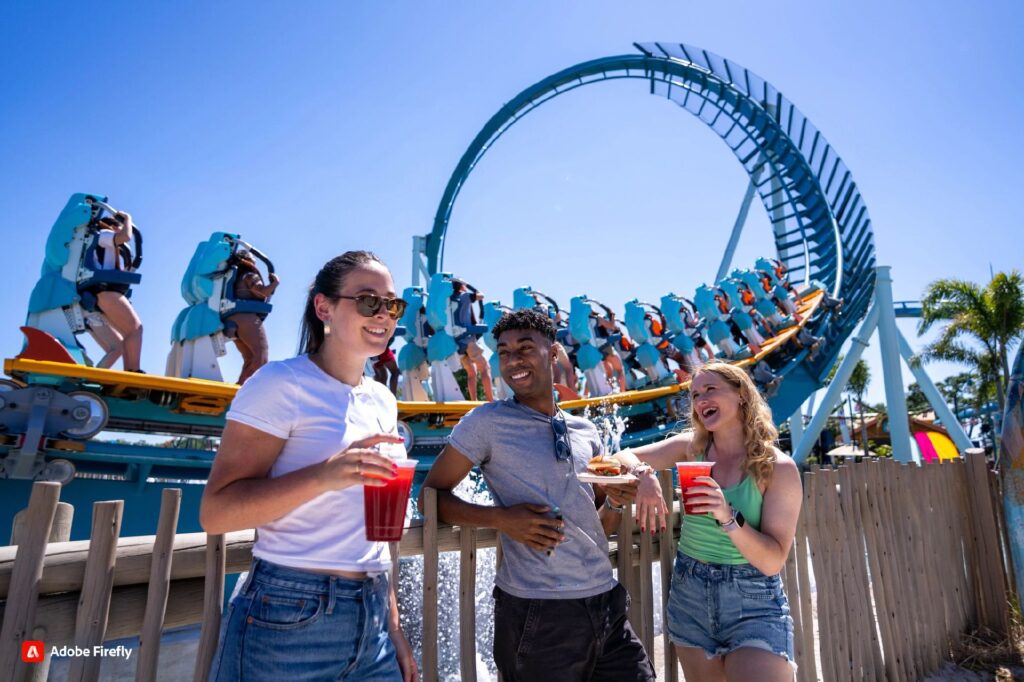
(385, 506)
(688, 471)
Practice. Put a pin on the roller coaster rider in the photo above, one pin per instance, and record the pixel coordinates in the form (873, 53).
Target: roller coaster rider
(725, 305)
(749, 300)
(781, 302)
(250, 336)
(695, 329)
(111, 252)
(471, 355)
(607, 329)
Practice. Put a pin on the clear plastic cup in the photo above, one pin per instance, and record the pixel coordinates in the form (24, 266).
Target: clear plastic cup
(688, 471)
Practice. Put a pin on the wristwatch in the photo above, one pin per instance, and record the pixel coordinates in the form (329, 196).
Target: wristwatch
(736, 521)
(615, 509)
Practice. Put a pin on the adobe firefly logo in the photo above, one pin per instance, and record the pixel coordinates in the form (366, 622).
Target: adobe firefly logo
(32, 651)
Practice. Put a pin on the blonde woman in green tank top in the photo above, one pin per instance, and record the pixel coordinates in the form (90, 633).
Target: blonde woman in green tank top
(727, 611)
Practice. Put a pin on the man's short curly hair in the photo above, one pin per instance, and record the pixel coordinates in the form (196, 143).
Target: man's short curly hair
(524, 319)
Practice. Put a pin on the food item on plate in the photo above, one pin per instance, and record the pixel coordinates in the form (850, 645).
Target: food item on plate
(600, 466)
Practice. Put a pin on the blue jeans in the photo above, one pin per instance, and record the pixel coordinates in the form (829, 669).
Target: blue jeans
(720, 608)
(291, 625)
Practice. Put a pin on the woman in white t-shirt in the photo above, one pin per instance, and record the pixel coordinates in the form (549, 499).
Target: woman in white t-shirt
(300, 443)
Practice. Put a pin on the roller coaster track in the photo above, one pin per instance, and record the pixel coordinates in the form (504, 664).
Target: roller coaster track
(820, 224)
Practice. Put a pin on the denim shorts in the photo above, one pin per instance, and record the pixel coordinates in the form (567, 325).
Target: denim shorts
(287, 624)
(720, 608)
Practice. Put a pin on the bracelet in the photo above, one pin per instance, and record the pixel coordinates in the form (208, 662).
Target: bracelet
(640, 468)
(615, 509)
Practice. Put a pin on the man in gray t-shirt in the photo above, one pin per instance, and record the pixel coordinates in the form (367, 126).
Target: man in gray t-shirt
(559, 612)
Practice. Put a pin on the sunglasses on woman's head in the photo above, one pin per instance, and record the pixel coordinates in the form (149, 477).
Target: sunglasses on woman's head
(369, 305)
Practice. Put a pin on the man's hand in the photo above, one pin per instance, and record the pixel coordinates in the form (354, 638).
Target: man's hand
(531, 525)
(620, 494)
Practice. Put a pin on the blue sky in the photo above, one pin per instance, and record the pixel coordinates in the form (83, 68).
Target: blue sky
(315, 127)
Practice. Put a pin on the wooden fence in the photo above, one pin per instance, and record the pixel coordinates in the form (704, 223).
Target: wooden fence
(904, 561)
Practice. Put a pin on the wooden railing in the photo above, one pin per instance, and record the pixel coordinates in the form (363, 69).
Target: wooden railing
(905, 561)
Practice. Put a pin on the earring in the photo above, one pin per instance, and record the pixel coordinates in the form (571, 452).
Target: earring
(327, 328)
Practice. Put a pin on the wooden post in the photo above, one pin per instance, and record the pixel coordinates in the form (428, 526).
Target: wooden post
(159, 585)
(965, 521)
(863, 616)
(953, 592)
(850, 667)
(834, 651)
(213, 603)
(807, 663)
(19, 614)
(94, 602)
(896, 540)
(395, 550)
(930, 556)
(646, 594)
(789, 582)
(467, 604)
(667, 550)
(627, 576)
(996, 487)
(995, 613)
(870, 520)
(429, 585)
(60, 531)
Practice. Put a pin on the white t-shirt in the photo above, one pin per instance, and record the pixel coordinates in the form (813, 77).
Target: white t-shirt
(105, 240)
(318, 416)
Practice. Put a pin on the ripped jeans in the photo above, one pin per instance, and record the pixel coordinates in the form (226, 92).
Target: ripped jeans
(720, 608)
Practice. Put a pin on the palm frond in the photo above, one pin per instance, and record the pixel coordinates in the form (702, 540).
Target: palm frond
(947, 299)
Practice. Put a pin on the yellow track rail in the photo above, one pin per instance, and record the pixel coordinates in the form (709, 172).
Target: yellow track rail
(116, 378)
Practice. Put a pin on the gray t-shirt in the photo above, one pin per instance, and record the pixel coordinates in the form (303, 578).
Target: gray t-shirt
(514, 446)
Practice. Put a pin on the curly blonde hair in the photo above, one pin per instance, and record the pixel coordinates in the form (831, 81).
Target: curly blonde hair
(759, 430)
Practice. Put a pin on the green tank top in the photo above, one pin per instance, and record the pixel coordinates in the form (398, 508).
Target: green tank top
(703, 539)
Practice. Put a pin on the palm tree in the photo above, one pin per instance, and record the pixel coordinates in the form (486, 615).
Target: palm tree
(957, 389)
(917, 401)
(981, 325)
(858, 386)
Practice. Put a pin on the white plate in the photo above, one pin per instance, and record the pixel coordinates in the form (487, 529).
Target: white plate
(588, 477)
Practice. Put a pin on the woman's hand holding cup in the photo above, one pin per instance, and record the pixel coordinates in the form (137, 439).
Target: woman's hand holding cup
(361, 464)
(707, 498)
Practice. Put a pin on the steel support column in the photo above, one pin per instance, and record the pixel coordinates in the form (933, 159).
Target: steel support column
(895, 398)
(938, 403)
(796, 428)
(834, 392)
(737, 229)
